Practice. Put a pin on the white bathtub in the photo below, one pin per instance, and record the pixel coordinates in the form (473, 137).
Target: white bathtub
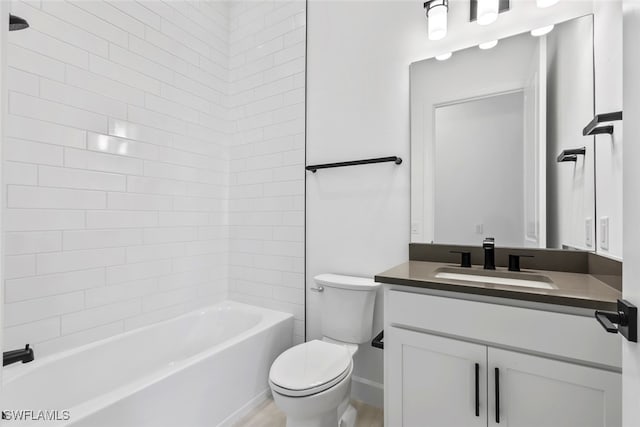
(205, 368)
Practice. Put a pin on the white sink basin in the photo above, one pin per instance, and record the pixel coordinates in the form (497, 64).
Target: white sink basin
(508, 281)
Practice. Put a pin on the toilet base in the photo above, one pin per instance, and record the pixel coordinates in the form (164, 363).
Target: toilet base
(329, 408)
(349, 416)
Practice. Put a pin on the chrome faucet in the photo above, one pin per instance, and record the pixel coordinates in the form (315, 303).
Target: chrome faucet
(489, 246)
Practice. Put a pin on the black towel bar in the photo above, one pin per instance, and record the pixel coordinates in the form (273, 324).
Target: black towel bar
(314, 168)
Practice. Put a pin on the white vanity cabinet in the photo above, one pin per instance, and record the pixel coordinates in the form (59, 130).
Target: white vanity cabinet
(537, 391)
(430, 366)
(433, 380)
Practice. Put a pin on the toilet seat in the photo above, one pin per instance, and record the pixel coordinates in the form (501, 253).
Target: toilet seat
(309, 391)
(310, 368)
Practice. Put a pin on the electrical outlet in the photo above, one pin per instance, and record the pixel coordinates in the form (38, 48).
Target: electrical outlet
(479, 228)
(604, 232)
(588, 232)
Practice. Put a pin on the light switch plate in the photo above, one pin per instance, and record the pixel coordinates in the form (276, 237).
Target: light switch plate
(604, 232)
(415, 228)
(588, 232)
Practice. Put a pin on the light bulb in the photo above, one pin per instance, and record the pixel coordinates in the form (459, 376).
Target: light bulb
(444, 56)
(545, 3)
(488, 11)
(437, 16)
(488, 45)
(542, 31)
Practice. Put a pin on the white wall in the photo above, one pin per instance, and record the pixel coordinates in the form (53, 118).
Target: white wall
(631, 172)
(115, 166)
(358, 107)
(478, 176)
(266, 206)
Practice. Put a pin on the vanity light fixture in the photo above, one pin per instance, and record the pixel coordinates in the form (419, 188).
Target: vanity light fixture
(444, 56)
(487, 11)
(488, 45)
(542, 31)
(545, 3)
(436, 11)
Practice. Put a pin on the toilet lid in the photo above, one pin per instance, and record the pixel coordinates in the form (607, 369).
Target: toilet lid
(310, 367)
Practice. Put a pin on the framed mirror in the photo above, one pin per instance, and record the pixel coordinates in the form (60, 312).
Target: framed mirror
(497, 148)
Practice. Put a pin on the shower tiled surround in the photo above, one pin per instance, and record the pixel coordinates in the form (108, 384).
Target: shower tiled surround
(266, 205)
(152, 164)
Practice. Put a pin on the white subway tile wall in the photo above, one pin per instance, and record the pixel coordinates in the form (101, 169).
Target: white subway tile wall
(117, 167)
(266, 200)
(153, 163)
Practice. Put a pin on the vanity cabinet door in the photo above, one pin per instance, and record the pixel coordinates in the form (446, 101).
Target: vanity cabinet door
(538, 392)
(432, 381)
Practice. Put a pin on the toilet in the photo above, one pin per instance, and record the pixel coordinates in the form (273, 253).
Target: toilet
(311, 382)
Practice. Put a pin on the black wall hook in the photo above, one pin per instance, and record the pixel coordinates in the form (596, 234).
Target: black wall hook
(571, 155)
(593, 127)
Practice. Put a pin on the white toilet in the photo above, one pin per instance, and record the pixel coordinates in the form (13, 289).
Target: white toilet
(311, 382)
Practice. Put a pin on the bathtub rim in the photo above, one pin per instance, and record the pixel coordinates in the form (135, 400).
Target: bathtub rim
(15, 372)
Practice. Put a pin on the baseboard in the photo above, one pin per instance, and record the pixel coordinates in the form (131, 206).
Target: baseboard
(367, 391)
(246, 409)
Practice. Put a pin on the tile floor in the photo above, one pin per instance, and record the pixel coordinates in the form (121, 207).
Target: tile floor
(268, 415)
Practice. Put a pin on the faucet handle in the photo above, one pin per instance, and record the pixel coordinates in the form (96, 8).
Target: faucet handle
(514, 261)
(465, 258)
(489, 242)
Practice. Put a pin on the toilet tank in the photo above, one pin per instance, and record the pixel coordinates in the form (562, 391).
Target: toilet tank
(347, 307)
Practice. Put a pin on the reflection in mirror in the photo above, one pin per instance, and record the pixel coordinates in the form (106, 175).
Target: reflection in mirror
(478, 137)
(487, 127)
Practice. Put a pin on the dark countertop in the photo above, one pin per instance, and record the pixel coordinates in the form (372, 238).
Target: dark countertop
(569, 289)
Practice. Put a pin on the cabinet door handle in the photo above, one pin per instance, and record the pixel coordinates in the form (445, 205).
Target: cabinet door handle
(477, 389)
(497, 371)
